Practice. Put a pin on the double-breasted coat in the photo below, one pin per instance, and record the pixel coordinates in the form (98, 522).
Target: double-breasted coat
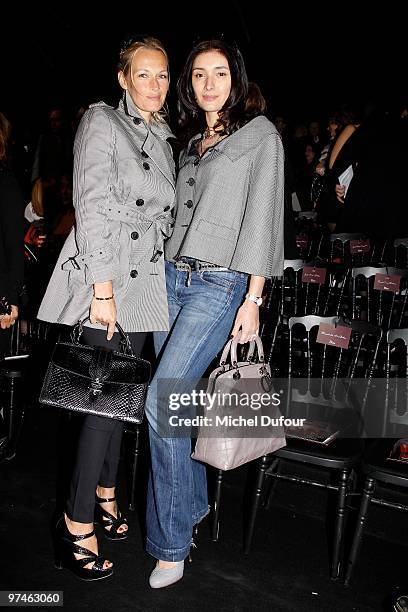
(230, 202)
(123, 192)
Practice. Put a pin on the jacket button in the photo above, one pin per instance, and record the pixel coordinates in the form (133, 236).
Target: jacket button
(196, 162)
(139, 202)
(146, 166)
(166, 208)
(134, 235)
(144, 154)
(191, 181)
(137, 121)
(189, 203)
(133, 273)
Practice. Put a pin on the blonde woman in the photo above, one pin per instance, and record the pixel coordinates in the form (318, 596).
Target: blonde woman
(112, 269)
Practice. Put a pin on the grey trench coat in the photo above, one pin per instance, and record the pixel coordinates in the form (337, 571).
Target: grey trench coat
(124, 192)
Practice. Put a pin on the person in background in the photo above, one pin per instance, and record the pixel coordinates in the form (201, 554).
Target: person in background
(11, 240)
(375, 203)
(322, 194)
(315, 136)
(11, 259)
(53, 160)
(305, 176)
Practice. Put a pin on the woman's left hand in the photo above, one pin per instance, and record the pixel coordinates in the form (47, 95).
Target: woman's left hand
(320, 169)
(340, 193)
(7, 320)
(247, 320)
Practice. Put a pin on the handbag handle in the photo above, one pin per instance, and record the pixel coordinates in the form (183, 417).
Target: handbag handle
(231, 346)
(227, 348)
(124, 345)
(259, 346)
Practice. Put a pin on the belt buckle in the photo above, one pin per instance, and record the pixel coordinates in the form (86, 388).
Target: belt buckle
(182, 265)
(185, 267)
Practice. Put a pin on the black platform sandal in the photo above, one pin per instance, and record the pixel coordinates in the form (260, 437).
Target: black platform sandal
(66, 546)
(106, 519)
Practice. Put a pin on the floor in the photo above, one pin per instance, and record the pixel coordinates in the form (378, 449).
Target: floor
(287, 568)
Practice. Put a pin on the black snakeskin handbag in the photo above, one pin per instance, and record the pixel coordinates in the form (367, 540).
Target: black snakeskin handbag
(96, 380)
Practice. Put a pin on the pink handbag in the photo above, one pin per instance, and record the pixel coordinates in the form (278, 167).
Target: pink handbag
(246, 379)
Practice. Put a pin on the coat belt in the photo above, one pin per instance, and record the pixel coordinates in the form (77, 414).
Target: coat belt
(161, 226)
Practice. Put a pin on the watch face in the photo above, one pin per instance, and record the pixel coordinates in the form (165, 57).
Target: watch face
(253, 298)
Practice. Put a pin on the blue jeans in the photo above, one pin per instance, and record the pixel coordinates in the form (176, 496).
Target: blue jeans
(201, 319)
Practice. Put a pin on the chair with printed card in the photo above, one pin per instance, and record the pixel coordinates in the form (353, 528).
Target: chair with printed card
(385, 462)
(306, 288)
(380, 296)
(330, 368)
(400, 253)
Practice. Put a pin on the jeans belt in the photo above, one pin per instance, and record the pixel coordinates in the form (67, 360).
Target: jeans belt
(197, 266)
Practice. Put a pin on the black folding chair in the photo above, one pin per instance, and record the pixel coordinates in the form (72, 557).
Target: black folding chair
(324, 368)
(379, 306)
(379, 466)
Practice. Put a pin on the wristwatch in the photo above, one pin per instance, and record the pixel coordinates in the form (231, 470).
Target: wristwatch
(254, 298)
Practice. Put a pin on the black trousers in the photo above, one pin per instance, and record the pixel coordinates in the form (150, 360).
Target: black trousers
(5, 339)
(99, 444)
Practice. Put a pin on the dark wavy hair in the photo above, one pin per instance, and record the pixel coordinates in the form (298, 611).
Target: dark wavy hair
(233, 114)
(5, 133)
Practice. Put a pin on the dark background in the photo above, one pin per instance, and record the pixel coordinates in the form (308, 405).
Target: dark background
(307, 59)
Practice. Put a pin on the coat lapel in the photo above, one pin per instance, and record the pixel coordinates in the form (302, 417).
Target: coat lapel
(155, 144)
(161, 155)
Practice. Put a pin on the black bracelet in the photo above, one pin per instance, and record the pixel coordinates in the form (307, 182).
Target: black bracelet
(108, 298)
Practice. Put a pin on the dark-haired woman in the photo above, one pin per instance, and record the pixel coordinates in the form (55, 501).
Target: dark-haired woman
(111, 268)
(228, 237)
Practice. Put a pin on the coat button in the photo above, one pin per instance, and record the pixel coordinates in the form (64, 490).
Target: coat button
(191, 181)
(137, 121)
(196, 162)
(166, 208)
(134, 235)
(144, 154)
(139, 202)
(146, 166)
(189, 203)
(133, 273)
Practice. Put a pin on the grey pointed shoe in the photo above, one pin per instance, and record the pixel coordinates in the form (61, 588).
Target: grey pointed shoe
(162, 577)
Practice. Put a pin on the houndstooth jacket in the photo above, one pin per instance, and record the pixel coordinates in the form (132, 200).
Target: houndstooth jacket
(229, 208)
(124, 192)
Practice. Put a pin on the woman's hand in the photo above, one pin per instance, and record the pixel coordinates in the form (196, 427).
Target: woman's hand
(38, 241)
(103, 311)
(320, 169)
(7, 320)
(247, 320)
(340, 193)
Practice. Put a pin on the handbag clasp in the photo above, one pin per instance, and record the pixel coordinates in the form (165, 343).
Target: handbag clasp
(96, 387)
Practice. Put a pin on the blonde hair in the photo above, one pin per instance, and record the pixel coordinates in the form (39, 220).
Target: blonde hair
(126, 56)
(37, 198)
(5, 132)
